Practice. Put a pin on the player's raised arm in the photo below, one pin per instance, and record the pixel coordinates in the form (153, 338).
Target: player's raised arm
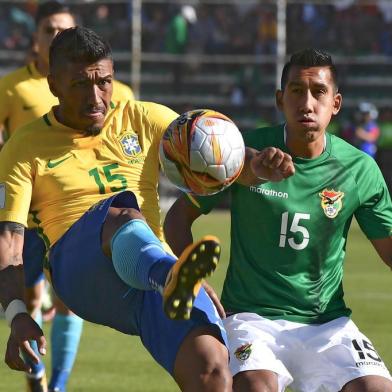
(23, 327)
(178, 224)
(269, 164)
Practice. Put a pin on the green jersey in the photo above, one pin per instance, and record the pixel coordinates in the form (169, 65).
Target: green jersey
(288, 239)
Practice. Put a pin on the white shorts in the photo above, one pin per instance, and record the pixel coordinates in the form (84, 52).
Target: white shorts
(309, 358)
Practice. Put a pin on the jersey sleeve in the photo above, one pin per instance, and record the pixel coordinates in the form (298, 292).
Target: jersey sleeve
(374, 215)
(15, 184)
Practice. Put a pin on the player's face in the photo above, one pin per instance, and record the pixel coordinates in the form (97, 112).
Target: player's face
(308, 102)
(84, 92)
(48, 29)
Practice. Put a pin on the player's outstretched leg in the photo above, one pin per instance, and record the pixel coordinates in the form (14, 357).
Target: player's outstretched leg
(184, 279)
(141, 262)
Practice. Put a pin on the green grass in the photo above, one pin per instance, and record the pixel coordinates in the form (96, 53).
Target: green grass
(110, 361)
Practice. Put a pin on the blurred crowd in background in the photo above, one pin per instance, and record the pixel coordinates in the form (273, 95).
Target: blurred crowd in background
(244, 91)
(225, 29)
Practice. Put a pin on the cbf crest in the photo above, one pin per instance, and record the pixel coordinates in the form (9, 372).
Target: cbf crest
(130, 144)
(331, 202)
(243, 353)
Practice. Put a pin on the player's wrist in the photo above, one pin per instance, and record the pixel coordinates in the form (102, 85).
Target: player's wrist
(14, 308)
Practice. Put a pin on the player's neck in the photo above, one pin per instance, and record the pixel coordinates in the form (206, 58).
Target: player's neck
(305, 148)
(309, 151)
(42, 66)
(60, 117)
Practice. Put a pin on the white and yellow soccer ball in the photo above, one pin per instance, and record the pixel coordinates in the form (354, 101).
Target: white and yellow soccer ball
(202, 152)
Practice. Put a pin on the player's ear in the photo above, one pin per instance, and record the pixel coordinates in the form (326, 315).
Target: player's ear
(34, 41)
(52, 85)
(337, 103)
(279, 99)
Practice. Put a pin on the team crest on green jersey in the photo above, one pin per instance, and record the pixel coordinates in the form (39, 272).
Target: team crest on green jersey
(130, 144)
(331, 202)
(243, 353)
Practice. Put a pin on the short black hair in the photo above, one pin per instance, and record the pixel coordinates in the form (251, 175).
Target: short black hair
(309, 58)
(78, 45)
(50, 8)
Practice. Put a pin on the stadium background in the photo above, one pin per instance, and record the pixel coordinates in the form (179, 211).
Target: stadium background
(234, 53)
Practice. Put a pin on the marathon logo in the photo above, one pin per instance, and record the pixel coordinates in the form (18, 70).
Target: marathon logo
(269, 192)
(370, 363)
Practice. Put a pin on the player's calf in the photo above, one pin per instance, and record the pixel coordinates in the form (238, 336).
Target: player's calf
(184, 279)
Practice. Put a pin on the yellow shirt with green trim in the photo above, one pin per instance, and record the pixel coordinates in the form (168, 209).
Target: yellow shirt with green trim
(59, 173)
(25, 96)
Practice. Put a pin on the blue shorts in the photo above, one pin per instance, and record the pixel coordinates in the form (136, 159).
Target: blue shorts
(34, 252)
(85, 280)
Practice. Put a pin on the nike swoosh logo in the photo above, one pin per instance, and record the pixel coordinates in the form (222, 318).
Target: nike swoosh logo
(51, 164)
(26, 107)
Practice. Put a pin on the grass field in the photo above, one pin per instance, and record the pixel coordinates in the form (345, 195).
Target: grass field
(108, 361)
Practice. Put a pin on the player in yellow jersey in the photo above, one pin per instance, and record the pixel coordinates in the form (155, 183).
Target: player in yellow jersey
(25, 96)
(89, 168)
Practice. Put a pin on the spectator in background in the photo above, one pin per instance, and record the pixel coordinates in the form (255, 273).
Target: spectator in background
(178, 30)
(153, 34)
(101, 22)
(266, 33)
(364, 131)
(177, 38)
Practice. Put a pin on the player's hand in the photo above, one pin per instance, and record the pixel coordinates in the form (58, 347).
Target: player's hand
(272, 164)
(215, 299)
(23, 329)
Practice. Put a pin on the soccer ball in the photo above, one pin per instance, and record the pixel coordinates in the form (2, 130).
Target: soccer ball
(202, 152)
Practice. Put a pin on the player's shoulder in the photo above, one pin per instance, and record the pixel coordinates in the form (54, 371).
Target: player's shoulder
(29, 132)
(151, 111)
(122, 92)
(349, 155)
(15, 77)
(145, 117)
(23, 143)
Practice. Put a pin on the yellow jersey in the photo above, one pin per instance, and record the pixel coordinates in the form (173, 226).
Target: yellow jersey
(25, 96)
(59, 173)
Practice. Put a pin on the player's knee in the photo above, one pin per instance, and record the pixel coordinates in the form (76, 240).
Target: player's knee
(203, 369)
(369, 384)
(116, 218)
(255, 381)
(215, 375)
(120, 216)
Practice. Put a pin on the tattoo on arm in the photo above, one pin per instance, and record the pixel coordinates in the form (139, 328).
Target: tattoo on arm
(12, 227)
(11, 262)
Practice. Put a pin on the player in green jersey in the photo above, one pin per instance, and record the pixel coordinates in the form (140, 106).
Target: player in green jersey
(287, 322)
